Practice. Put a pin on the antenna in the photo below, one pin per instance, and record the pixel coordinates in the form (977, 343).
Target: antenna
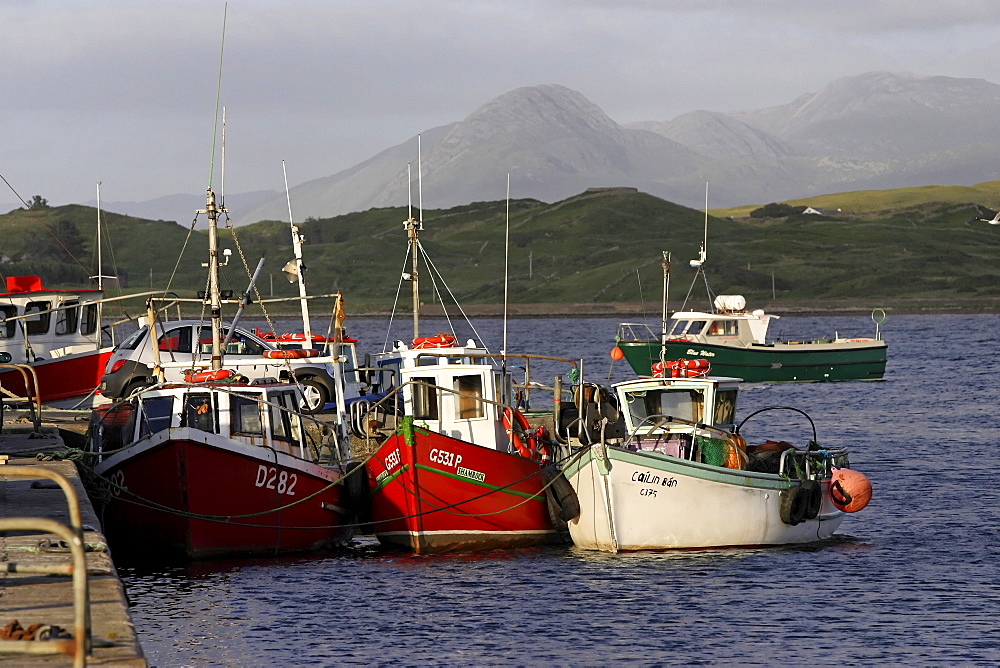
(703, 251)
(506, 272)
(100, 266)
(300, 270)
(420, 184)
(222, 185)
(218, 93)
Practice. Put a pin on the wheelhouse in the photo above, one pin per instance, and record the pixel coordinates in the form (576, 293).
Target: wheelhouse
(37, 323)
(255, 415)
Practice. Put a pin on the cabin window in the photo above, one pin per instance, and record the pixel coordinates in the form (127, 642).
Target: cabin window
(10, 326)
(38, 323)
(688, 327)
(722, 328)
(425, 401)
(156, 415)
(725, 407)
(286, 427)
(175, 340)
(88, 325)
(469, 402)
(684, 404)
(198, 413)
(66, 318)
(281, 419)
(245, 415)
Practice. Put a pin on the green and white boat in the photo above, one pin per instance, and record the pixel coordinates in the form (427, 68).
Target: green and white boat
(666, 467)
(734, 341)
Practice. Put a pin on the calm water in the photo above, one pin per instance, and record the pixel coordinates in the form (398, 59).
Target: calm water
(913, 579)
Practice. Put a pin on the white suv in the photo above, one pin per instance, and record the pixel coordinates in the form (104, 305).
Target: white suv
(181, 350)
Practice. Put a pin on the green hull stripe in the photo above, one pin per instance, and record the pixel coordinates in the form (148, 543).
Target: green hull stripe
(505, 490)
(389, 478)
(687, 469)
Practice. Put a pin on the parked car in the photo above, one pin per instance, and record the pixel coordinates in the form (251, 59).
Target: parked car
(182, 348)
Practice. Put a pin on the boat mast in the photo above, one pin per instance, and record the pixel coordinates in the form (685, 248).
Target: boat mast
(214, 298)
(212, 212)
(299, 268)
(412, 227)
(100, 275)
(666, 292)
(506, 271)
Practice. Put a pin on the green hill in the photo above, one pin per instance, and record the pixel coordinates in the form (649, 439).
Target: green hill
(860, 202)
(602, 246)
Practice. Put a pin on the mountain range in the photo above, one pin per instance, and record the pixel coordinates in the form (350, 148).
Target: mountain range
(872, 131)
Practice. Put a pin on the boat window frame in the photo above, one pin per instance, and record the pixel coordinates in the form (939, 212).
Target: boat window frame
(644, 398)
(212, 412)
(722, 328)
(67, 318)
(9, 329)
(725, 407)
(151, 425)
(280, 416)
(469, 400)
(42, 320)
(89, 320)
(236, 425)
(424, 404)
(282, 408)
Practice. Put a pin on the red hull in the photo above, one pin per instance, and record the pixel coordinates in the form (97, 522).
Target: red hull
(191, 477)
(62, 378)
(433, 493)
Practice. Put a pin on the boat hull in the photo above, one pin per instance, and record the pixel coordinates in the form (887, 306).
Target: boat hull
(157, 491)
(635, 500)
(432, 493)
(63, 382)
(788, 362)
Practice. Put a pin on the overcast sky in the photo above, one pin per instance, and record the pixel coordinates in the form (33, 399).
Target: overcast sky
(125, 92)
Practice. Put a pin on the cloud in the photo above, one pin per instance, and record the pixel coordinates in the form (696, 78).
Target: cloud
(125, 91)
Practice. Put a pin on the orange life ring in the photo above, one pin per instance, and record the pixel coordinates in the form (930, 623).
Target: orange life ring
(442, 340)
(291, 353)
(208, 376)
(521, 427)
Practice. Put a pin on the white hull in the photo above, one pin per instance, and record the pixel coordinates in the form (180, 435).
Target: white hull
(635, 500)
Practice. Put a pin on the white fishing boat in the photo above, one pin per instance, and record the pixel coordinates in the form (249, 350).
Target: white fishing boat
(667, 468)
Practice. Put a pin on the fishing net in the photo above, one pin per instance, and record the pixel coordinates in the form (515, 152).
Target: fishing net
(713, 450)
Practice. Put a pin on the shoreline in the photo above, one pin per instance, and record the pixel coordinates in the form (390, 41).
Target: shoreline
(934, 306)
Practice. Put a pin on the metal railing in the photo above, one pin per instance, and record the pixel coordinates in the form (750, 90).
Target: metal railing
(79, 646)
(31, 390)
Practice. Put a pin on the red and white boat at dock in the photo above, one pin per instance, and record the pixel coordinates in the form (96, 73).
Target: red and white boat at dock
(220, 465)
(463, 470)
(58, 334)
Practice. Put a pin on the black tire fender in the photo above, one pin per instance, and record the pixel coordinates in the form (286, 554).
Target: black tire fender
(793, 503)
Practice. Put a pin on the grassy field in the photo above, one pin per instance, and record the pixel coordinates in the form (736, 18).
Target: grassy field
(921, 245)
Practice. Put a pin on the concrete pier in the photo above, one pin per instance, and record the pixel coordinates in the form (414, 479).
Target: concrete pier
(29, 593)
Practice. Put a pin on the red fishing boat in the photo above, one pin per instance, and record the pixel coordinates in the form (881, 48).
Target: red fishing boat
(455, 475)
(218, 465)
(216, 470)
(463, 469)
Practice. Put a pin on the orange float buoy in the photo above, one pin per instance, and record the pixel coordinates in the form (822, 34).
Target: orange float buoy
(617, 354)
(850, 490)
